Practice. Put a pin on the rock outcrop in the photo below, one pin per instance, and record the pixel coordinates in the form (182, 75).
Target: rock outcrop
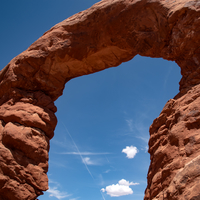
(27, 123)
(105, 35)
(174, 146)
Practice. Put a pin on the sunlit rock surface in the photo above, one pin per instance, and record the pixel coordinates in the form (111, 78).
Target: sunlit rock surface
(105, 35)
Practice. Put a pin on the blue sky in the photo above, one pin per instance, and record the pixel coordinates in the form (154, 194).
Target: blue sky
(100, 146)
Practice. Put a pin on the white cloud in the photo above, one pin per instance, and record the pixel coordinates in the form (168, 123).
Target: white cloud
(88, 161)
(54, 192)
(130, 151)
(124, 182)
(120, 189)
(117, 190)
(103, 190)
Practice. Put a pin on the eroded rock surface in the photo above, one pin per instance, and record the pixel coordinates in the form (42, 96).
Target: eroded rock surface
(105, 35)
(174, 146)
(27, 123)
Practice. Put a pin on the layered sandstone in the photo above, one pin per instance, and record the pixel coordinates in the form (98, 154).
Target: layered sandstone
(105, 35)
(27, 122)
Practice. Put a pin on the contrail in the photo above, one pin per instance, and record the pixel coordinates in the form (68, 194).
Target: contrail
(82, 157)
(78, 151)
(102, 195)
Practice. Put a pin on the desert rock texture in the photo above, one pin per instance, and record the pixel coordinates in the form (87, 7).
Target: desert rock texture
(105, 35)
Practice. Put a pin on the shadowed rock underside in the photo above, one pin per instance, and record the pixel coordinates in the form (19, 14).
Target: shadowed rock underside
(103, 36)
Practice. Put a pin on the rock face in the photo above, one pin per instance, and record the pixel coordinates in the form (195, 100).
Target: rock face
(27, 122)
(105, 35)
(174, 146)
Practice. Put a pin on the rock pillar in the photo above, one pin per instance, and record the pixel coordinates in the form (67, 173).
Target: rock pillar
(174, 146)
(27, 123)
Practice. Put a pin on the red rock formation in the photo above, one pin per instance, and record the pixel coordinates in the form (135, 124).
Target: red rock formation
(174, 146)
(27, 122)
(107, 34)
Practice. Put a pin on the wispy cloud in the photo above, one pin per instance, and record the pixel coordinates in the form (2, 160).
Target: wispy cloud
(130, 124)
(130, 151)
(107, 171)
(102, 194)
(88, 161)
(86, 166)
(101, 180)
(54, 182)
(127, 183)
(145, 149)
(63, 142)
(122, 188)
(54, 192)
(140, 129)
(167, 75)
(144, 138)
(57, 193)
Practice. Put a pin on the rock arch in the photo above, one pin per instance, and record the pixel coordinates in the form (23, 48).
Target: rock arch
(105, 35)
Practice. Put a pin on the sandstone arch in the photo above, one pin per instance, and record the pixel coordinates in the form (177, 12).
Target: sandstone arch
(107, 34)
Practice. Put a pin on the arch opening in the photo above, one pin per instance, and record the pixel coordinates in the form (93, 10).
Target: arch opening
(104, 112)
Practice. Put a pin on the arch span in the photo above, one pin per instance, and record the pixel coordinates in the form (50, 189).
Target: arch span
(105, 35)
